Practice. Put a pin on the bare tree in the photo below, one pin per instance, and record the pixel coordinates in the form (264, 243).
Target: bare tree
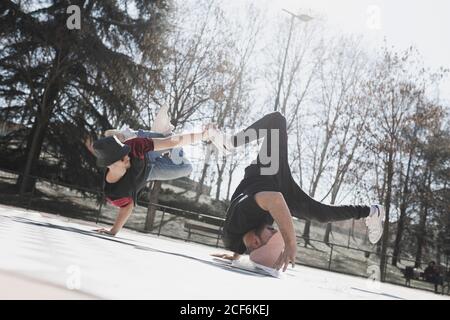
(433, 153)
(231, 101)
(393, 99)
(196, 60)
(349, 140)
(424, 119)
(336, 134)
(300, 67)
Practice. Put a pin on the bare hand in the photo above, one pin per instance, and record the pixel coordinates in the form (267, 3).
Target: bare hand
(286, 257)
(89, 144)
(208, 130)
(225, 256)
(105, 231)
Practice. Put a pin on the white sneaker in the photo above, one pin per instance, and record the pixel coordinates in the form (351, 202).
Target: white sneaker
(375, 223)
(122, 135)
(221, 141)
(162, 122)
(177, 156)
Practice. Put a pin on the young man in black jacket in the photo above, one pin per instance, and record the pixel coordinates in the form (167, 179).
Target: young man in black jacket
(268, 194)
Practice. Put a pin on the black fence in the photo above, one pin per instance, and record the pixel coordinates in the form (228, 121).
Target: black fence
(206, 229)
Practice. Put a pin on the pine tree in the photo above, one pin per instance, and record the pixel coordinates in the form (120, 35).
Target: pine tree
(62, 83)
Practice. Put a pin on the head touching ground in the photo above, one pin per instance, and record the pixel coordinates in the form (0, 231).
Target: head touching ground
(268, 254)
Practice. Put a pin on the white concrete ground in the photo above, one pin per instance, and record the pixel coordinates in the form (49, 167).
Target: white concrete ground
(50, 257)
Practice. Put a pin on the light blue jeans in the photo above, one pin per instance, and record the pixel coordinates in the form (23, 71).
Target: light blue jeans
(162, 167)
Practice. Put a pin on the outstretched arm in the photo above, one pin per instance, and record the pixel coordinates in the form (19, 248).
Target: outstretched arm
(180, 140)
(276, 205)
(122, 217)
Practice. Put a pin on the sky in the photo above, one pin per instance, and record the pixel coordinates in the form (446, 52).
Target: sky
(402, 23)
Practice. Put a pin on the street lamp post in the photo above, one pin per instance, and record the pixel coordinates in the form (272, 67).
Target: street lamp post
(304, 18)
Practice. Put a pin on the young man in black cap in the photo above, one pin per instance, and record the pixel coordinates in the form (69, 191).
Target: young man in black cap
(129, 167)
(268, 193)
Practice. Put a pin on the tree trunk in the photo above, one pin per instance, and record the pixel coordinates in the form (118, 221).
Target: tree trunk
(220, 171)
(153, 196)
(401, 220)
(438, 253)
(385, 238)
(399, 235)
(326, 238)
(307, 228)
(36, 140)
(329, 228)
(421, 234)
(33, 151)
(201, 182)
(37, 134)
(230, 179)
(306, 231)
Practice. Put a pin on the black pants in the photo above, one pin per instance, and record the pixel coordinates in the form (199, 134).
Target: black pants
(301, 205)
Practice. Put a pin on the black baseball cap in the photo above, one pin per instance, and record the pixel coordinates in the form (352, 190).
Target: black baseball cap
(109, 150)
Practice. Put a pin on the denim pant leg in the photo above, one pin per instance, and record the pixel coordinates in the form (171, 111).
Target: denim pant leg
(148, 134)
(163, 169)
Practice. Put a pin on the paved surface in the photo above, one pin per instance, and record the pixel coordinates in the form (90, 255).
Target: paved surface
(50, 257)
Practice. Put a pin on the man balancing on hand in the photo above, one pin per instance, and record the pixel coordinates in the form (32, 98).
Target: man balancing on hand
(268, 193)
(132, 163)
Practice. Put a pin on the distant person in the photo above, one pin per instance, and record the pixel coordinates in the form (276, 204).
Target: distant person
(133, 158)
(268, 193)
(432, 274)
(409, 274)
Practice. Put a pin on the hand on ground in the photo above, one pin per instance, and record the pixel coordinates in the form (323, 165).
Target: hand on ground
(225, 256)
(105, 231)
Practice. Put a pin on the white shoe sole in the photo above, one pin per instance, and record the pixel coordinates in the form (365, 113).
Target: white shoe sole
(380, 220)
